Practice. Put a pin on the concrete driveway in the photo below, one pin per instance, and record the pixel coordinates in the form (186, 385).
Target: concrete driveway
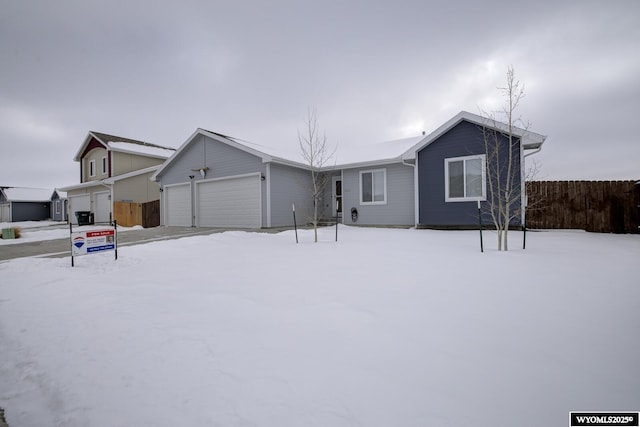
(60, 248)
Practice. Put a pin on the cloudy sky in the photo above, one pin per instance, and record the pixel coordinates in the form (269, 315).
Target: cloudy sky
(373, 70)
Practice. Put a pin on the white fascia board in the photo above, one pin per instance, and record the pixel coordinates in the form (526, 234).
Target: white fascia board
(359, 165)
(137, 153)
(83, 185)
(287, 162)
(170, 160)
(530, 140)
(90, 135)
(263, 156)
(113, 180)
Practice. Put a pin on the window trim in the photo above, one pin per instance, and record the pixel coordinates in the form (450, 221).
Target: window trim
(464, 159)
(384, 189)
(92, 168)
(104, 165)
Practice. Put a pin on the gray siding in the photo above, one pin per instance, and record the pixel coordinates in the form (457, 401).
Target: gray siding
(464, 139)
(399, 207)
(290, 185)
(222, 161)
(61, 215)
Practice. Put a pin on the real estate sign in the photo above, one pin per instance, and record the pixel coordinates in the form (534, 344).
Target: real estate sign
(94, 241)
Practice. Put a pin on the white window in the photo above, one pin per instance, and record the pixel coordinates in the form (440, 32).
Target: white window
(92, 168)
(104, 165)
(373, 187)
(464, 179)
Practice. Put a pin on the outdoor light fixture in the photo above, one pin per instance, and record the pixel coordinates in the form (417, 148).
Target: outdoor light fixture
(262, 178)
(203, 173)
(191, 176)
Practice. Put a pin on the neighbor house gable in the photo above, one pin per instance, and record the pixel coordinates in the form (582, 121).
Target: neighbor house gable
(103, 156)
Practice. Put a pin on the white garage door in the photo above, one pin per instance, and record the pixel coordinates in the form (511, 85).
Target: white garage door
(229, 203)
(5, 213)
(81, 202)
(178, 205)
(101, 207)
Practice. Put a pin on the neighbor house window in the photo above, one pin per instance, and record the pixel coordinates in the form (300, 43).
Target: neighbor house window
(104, 165)
(373, 187)
(465, 178)
(92, 168)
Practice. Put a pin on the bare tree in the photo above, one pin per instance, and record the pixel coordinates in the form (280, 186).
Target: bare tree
(317, 153)
(503, 169)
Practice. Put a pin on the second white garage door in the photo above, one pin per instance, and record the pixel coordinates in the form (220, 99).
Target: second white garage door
(229, 202)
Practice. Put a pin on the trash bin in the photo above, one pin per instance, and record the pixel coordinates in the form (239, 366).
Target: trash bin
(84, 217)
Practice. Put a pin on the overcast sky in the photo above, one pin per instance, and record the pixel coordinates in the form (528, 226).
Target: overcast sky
(374, 71)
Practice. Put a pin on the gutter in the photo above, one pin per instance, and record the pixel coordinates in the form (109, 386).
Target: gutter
(537, 150)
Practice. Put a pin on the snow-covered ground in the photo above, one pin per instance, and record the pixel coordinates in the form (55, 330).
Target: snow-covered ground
(384, 328)
(37, 231)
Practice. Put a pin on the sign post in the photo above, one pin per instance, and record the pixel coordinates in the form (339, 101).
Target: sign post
(337, 207)
(480, 226)
(295, 226)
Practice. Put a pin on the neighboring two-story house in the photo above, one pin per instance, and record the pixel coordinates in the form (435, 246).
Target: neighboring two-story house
(114, 169)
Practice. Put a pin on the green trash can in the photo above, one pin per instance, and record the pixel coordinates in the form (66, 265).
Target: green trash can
(84, 217)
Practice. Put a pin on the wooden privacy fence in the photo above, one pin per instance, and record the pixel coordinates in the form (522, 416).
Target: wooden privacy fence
(129, 214)
(599, 206)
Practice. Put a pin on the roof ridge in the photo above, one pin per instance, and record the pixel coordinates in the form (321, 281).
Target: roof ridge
(106, 137)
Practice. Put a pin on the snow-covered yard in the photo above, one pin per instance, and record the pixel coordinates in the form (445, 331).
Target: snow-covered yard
(384, 328)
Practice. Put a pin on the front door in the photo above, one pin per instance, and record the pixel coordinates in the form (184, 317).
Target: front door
(336, 183)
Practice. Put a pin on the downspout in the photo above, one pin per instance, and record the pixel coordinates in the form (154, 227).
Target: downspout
(415, 191)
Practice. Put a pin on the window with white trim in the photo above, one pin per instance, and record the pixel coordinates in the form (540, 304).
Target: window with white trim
(465, 178)
(104, 165)
(92, 168)
(373, 187)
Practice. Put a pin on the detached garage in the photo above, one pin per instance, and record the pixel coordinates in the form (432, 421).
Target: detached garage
(213, 180)
(25, 204)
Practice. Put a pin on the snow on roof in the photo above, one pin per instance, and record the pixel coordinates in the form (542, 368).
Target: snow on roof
(146, 149)
(24, 194)
(355, 154)
(343, 155)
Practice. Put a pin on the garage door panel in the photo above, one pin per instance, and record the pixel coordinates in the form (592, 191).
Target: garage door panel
(230, 203)
(102, 207)
(78, 203)
(178, 205)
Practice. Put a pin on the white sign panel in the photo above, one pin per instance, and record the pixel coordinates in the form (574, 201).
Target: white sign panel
(94, 241)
